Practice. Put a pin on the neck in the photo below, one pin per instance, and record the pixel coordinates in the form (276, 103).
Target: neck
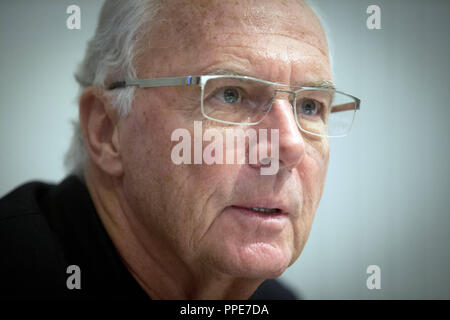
(157, 268)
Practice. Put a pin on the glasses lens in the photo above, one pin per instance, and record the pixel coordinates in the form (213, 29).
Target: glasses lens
(325, 112)
(236, 100)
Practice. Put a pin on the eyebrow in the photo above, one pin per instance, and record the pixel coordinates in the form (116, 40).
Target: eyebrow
(327, 84)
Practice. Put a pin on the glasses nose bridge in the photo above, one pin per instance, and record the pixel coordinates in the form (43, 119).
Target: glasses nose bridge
(282, 94)
(285, 95)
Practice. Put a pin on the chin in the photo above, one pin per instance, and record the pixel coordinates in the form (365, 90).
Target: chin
(257, 261)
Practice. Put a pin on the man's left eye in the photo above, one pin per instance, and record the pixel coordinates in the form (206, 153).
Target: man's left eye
(309, 107)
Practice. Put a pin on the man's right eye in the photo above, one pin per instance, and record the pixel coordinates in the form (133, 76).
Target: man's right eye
(230, 95)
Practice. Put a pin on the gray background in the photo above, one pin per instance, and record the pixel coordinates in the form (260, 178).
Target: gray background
(386, 200)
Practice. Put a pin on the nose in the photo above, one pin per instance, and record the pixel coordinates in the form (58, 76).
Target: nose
(291, 143)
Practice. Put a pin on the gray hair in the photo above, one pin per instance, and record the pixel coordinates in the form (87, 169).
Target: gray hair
(110, 54)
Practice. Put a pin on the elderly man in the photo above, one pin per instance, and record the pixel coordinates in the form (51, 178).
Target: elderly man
(135, 223)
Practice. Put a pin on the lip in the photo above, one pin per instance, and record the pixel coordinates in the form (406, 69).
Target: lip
(249, 219)
(264, 203)
(280, 211)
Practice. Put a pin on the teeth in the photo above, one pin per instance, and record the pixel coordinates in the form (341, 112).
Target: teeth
(265, 210)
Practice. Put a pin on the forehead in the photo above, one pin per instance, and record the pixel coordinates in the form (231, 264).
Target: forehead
(199, 34)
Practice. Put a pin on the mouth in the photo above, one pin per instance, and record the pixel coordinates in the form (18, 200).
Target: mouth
(262, 211)
(267, 220)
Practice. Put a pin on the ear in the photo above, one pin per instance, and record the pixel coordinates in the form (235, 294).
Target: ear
(99, 123)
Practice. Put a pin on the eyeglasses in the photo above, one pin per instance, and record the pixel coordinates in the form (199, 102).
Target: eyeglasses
(243, 100)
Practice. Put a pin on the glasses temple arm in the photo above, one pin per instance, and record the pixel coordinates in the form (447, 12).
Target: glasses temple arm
(345, 107)
(156, 82)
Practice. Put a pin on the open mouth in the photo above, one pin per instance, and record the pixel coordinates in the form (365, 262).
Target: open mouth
(267, 220)
(266, 210)
(261, 210)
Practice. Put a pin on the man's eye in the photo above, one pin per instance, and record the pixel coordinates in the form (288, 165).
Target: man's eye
(310, 107)
(229, 95)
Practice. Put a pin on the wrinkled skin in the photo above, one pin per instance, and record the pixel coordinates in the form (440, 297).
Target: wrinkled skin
(172, 224)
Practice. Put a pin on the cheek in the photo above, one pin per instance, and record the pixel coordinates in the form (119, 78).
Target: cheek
(151, 181)
(146, 133)
(176, 201)
(312, 171)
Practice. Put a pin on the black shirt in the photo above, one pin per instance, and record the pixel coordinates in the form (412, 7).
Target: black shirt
(46, 228)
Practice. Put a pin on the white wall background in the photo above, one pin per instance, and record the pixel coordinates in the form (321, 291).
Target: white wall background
(387, 197)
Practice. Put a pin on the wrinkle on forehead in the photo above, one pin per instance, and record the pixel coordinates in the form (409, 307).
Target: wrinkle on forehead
(280, 41)
(189, 22)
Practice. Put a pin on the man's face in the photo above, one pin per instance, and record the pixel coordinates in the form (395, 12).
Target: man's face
(196, 213)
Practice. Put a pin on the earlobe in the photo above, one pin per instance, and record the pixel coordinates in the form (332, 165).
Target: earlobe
(99, 121)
